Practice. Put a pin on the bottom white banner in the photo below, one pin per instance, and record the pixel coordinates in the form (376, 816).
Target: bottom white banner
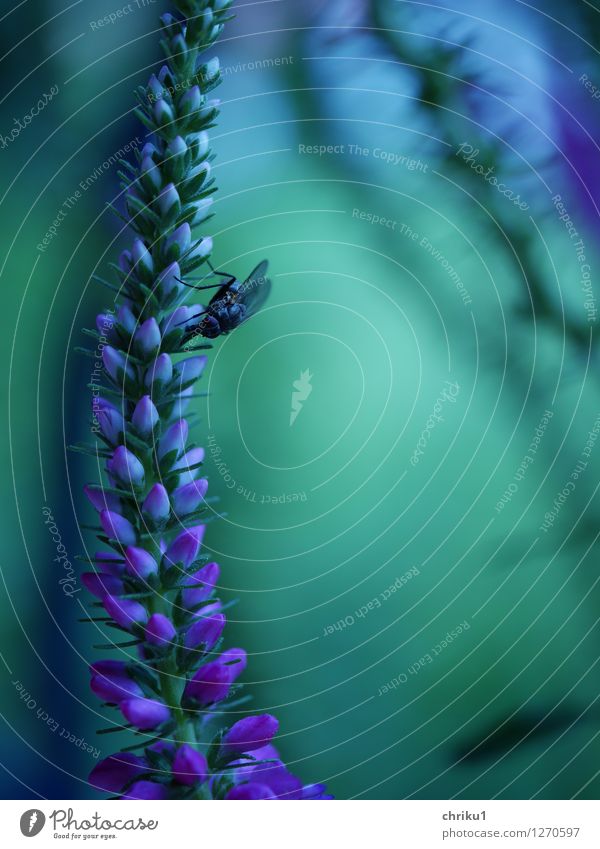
(426, 824)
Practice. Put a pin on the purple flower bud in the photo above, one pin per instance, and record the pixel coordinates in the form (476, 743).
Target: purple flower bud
(169, 202)
(250, 733)
(186, 463)
(187, 371)
(167, 279)
(283, 784)
(176, 148)
(201, 249)
(201, 173)
(126, 467)
(201, 143)
(101, 500)
(117, 527)
(212, 68)
(125, 261)
(184, 548)
(252, 790)
(191, 101)
(178, 318)
(160, 371)
(102, 584)
(236, 660)
(111, 682)
(212, 682)
(315, 791)
(126, 318)
(147, 338)
(164, 75)
(155, 88)
(188, 498)
(104, 324)
(209, 109)
(109, 561)
(189, 766)
(206, 579)
(174, 439)
(163, 114)
(206, 631)
(160, 631)
(149, 150)
(114, 772)
(142, 258)
(156, 504)
(177, 244)
(110, 421)
(125, 611)
(116, 364)
(150, 173)
(202, 210)
(145, 416)
(146, 790)
(140, 562)
(144, 713)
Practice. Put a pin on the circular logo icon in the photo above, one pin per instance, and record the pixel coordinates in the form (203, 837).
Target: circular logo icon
(32, 822)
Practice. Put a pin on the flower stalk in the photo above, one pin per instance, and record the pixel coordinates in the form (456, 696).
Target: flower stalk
(171, 679)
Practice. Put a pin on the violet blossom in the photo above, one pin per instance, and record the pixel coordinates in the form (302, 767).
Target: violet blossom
(171, 680)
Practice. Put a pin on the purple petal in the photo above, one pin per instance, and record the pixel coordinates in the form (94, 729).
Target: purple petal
(125, 611)
(249, 733)
(206, 579)
(145, 416)
(156, 504)
(146, 790)
(189, 766)
(250, 791)
(144, 713)
(185, 547)
(112, 773)
(140, 562)
(206, 631)
(117, 527)
(160, 631)
(102, 584)
(188, 498)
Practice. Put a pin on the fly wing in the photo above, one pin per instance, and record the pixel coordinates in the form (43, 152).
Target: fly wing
(255, 289)
(222, 291)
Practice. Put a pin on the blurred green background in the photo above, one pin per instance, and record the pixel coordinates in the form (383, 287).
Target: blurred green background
(340, 137)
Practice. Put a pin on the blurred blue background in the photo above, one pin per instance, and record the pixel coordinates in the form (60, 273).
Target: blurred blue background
(423, 178)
